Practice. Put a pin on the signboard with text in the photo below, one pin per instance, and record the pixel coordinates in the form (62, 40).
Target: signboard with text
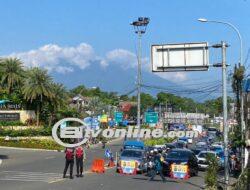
(9, 116)
(151, 117)
(118, 116)
(128, 167)
(179, 171)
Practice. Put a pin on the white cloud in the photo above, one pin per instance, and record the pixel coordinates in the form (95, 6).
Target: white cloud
(60, 59)
(174, 77)
(124, 58)
(52, 56)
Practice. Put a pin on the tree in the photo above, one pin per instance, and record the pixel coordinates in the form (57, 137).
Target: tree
(57, 100)
(147, 101)
(37, 89)
(12, 73)
(211, 173)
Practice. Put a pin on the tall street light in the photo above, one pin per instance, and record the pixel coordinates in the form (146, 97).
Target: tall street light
(140, 27)
(240, 64)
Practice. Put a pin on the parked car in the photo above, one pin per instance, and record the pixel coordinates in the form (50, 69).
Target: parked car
(182, 157)
(202, 158)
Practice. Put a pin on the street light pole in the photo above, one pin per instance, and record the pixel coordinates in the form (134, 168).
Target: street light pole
(241, 93)
(139, 81)
(140, 27)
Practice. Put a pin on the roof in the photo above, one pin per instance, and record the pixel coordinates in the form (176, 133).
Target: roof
(134, 143)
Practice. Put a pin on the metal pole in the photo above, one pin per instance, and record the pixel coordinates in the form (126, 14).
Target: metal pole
(242, 122)
(224, 85)
(139, 83)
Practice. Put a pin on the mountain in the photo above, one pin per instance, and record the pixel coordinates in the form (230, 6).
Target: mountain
(110, 78)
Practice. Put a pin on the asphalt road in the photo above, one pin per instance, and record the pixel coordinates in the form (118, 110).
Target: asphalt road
(42, 170)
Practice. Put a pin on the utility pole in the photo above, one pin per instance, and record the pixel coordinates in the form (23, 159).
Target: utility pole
(225, 126)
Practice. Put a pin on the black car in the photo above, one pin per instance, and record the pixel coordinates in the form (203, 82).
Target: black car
(181, 156)
(170, 146)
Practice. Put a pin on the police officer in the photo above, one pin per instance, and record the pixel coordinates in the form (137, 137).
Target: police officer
(69, 162)
(157, 168)
(80, 156)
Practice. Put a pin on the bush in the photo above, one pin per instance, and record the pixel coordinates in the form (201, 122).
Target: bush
(160, 141)
(11, 123)
(211, 173)
(32, 143)
(26, 132)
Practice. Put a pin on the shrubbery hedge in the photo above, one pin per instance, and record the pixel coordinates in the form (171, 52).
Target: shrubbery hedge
(11, 123)
(32, 143)
(26, 132)
(159, 141)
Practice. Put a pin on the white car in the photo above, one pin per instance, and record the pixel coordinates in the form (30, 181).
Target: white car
(202, 161)
(190, 141)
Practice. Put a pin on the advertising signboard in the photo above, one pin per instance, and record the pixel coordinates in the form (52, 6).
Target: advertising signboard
(104, 118)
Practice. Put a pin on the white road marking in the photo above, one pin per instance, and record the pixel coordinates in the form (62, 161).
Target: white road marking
(30, 176)
(50, 157)
(1, 161)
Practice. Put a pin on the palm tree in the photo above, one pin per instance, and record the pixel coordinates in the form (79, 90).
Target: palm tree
(37, 89)
(58, 100)
(12, 73)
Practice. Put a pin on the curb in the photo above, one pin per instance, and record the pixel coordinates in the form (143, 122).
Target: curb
(37, 149)
(34, 149)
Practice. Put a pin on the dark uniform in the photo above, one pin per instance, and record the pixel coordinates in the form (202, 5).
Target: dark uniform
(80, 156)
(157, 168)
(69, 162)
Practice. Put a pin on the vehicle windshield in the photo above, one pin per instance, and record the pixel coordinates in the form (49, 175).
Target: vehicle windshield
(178, 154)
(131, 153)
(212, 129)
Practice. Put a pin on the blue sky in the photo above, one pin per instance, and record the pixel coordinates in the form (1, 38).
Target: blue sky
(103, 26)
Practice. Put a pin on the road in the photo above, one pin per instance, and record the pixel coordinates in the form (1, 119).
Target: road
(42, 170)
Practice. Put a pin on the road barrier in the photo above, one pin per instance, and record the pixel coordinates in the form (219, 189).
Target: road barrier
(98, 166)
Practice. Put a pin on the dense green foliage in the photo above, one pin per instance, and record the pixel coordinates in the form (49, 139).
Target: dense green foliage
(26, 132)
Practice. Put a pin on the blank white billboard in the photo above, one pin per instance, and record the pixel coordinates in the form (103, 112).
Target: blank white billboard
(180, 57)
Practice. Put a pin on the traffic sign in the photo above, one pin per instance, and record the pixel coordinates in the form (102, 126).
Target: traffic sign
(151, 117)
(107, 153)
(118, 116)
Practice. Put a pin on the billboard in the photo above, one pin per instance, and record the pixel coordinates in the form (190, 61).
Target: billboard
(180, 57)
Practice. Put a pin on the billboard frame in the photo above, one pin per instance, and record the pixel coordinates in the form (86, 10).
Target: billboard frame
(204, 46)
